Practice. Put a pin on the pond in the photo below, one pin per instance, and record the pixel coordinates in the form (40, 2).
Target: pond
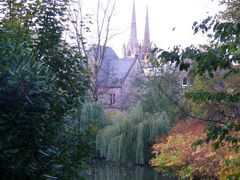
(102, 170)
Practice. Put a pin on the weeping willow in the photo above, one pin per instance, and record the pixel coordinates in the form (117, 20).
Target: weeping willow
(128, 137)
(92, 115)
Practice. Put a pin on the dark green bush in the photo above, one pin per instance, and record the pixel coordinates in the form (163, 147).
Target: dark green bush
(40, 134)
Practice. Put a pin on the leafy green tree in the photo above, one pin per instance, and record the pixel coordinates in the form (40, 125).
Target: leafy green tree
(65, 61)
(221, 55)
(163, 91)
(127, 137)
(233, 10)
(42, 85)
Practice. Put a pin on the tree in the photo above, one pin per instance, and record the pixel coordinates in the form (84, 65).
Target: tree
(127, 137)
(221, 55)
(95, 53)
(43, 84)
(232, 11)
(162, 91)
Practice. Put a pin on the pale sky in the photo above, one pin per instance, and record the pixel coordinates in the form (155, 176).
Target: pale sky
(164, 15)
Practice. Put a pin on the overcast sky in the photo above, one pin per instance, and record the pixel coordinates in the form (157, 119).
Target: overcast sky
(164, 15)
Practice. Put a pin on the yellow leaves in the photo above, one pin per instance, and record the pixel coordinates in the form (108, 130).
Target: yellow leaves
(231, 167)
(230, 90)
(230, 173)
(228, 157)
(165, 160)
(169, 164)
(174, 153)
(94, 129)
(211, 154)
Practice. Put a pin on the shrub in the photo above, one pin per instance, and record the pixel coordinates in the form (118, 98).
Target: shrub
(179, 157)
(39, 134)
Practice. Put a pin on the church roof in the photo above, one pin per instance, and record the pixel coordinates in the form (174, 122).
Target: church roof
(109, 52)
(113, 70)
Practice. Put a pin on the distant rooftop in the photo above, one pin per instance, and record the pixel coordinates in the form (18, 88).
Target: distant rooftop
(109, 52)
(113, 70)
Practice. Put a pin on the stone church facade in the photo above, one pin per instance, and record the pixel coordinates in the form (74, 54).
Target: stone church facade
(117, 77)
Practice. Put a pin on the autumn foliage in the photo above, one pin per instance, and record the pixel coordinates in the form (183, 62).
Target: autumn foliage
(177, 155)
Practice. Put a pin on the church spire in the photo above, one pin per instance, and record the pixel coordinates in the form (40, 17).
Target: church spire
(132, 47)
(146, 41)
(134, 24)
(124, 51)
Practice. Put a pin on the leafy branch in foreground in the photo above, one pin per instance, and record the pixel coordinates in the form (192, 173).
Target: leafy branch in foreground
(218, 64)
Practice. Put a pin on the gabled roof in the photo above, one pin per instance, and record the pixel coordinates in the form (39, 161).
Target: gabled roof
(123, 67)
(109, 53)
(113, 71)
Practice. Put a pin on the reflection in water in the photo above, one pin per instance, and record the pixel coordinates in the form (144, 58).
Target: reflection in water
(102, 170)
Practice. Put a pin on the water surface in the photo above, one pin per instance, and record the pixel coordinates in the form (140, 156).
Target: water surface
(101, 170)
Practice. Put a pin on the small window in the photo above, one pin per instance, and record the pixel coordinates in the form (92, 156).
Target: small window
(185, 82)
(111, 99)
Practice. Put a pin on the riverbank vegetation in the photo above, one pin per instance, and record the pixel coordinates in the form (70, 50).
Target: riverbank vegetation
(43, 83)
(177, 154)
(51, 124)
(128, 137)
(210, 150)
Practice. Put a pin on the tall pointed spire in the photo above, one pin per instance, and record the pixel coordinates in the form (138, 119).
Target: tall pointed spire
(134, 24)
(124, 51)
(146, 41)
(132, 47)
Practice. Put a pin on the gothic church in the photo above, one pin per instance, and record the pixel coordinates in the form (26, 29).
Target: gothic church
(117, 77)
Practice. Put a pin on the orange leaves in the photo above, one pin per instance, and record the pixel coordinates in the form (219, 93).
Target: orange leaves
(177, 154)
